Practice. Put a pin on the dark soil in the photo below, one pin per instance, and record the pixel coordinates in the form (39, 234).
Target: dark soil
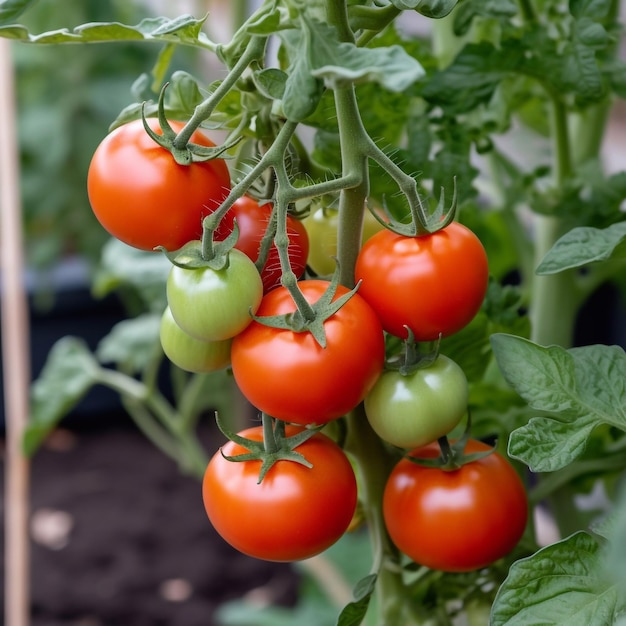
(120, 538)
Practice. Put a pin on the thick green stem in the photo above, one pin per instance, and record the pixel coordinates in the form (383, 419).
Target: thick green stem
(351, 200)
(255, 50)
(554, 297)
(374, 464)
(554, 300)
(146, 405)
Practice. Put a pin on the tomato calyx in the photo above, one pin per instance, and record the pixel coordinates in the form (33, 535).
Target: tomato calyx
(205, 253)
(422, 223)
(276, 446)
(309, 317)
(412, 358)
(452, 454)
(190, 152)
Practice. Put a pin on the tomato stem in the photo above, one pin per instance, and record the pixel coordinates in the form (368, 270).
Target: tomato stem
(254, 50)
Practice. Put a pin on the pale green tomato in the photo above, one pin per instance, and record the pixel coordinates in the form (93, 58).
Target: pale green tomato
(415, 410)
(191, 354)
(321, 225)
(213, 304)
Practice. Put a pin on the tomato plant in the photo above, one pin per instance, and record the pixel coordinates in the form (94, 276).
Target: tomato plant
(434, 284)
(414, 409)
(294, 513)
(291, 377)
(189, 353)
(143, 197)
(455, 520)
(253, 220)
(494, 116)
(214, 305)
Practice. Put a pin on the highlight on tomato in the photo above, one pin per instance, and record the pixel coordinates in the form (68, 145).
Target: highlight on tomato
(434, 284)
(414, 409)
(143, 197)
(455, 520)
(294, 513)
(288, 375)
(252, 221)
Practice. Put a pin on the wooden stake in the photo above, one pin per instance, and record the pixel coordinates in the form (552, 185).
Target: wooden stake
(15, 354)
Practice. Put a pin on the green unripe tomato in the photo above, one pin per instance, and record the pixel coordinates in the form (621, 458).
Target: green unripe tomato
(321, 226)
(189, 353)
(415, 410)
(214, 305)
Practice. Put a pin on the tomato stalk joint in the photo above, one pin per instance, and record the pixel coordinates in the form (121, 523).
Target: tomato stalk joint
(190, 152)
(309, 317)
(276, 445)
(452, 454)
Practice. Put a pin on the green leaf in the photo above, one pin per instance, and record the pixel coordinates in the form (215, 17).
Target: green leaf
(68, 374)
(338, 62)
(428, 8)
(302, 90)
(271, 82)
(472, 77)
(354, 612)
(471, 9)
(131, 343)
(579, 388)
(546, 445)
(184, 30)
(584, 245)
(10, 10)
(595, 9)
(125, 267)
(559, 584)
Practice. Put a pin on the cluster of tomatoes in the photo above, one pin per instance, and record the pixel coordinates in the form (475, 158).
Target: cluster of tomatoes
(420, 287)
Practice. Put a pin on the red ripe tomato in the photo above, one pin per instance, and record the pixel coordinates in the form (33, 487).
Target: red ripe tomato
(294, 513)
(433, 283)
(252, 220)
(143, 197)
(288, 375)
(458, 520)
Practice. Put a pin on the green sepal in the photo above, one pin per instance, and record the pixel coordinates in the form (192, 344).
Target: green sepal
(191, 152)
(191, 257)
(320, 311)
(412, 359)
(421, 223)
(453, 456)
(274, 447)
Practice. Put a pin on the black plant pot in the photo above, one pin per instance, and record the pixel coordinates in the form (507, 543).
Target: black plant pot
(61, 304)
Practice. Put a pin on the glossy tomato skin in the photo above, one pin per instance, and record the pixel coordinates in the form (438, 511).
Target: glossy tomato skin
(189, 353)
(455, 521)
(414, 410)
(294, 513)
(291, 377)
(142, 197)
(252, 220)
(322, 226)
(433, 284)
(214, 305)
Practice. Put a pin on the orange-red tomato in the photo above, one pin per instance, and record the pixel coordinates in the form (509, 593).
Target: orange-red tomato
(288, 375)
(433, 283)
(143, 197)
(459, 520)
(252, 221)
(294, 513)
